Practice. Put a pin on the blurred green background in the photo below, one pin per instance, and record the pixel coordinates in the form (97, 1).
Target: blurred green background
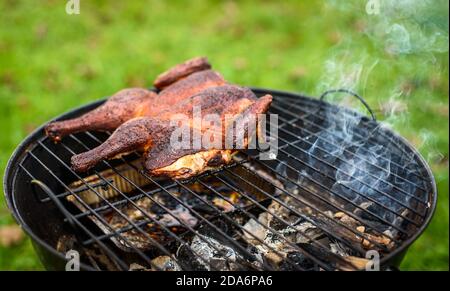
(395, 53)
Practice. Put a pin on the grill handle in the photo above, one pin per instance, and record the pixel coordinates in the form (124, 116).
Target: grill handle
(55, 200)
(324, 94)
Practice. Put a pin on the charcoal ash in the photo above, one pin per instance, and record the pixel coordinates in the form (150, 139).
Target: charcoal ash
(216, 247)
(165, 263)
(207, 253)
(300, 260)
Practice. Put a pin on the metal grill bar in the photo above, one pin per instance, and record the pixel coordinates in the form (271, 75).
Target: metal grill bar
(122, 202)
(158, 245)
(78, 190)
(224, 215)
(137, 226)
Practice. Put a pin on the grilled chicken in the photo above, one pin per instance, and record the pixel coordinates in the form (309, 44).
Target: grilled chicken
(152, 135)
(143, 120)
(135, 102)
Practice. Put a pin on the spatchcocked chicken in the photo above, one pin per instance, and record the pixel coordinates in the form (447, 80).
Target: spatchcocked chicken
(150, 122)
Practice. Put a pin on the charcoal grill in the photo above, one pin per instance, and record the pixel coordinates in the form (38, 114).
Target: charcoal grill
(341, 185)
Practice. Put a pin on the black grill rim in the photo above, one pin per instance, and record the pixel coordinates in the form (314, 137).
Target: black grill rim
(12, 169)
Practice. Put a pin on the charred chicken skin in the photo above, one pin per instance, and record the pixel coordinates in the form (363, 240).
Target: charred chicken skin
(145, 122)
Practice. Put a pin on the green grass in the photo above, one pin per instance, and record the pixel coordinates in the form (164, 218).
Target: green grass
(51, 62)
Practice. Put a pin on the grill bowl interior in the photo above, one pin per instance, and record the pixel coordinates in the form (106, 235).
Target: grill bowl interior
(319, 142)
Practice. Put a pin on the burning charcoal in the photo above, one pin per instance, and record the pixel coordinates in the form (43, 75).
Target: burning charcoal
(390, 232)
(135, 238)
(220, 257)
(99, 259)
(183, 215)
(337, 249)
(303, 232)
(166, 263)
(321, 254)
(278, 209)
(345, 262)
(346, 219)
(190, 261)
(276, 248)
(256, 229)
(354, 263)
(366, 243)
(339, 215)
(383, 240)
(361, 228)
(259, 259)
(223, 204)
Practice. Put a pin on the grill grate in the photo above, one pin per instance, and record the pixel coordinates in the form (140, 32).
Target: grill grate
(325, 171)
